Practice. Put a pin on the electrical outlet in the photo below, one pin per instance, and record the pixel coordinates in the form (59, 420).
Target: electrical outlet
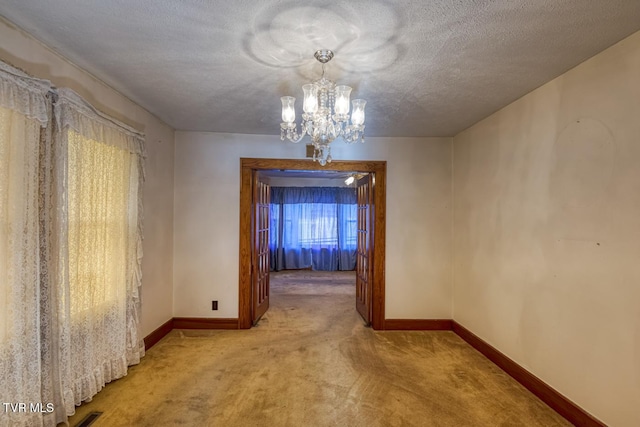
(214, 305)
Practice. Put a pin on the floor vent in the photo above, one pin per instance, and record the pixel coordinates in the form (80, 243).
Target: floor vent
(89, 419)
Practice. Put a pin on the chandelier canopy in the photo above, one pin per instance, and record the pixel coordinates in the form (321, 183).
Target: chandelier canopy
(325, 114)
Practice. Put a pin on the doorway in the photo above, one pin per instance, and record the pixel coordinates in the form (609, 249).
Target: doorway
(248, 170)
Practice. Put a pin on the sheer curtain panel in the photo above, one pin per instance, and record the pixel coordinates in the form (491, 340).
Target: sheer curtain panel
(99, 163)
(23, 116)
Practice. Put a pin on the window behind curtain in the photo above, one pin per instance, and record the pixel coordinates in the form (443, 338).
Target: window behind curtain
(310, 225)
(98, 183)
(313, 227)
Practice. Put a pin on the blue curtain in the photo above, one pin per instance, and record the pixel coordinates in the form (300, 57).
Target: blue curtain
(313, 227)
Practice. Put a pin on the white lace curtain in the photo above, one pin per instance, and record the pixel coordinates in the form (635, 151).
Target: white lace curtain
(70, 249)
(99, 162)
(23, 112)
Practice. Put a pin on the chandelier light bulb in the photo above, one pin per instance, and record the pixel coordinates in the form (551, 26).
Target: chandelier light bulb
(342, 94)
(310, 104)
(357, 116)
(325, 114)
(288, 110)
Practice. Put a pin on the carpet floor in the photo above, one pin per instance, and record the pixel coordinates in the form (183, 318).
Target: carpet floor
(312, 362)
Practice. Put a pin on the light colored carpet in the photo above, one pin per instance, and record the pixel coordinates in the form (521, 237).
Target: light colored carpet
(311, 362)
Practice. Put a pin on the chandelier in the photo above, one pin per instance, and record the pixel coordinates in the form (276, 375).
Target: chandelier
(325, 114)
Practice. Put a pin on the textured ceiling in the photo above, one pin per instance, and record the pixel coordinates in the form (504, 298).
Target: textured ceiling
(426, 68)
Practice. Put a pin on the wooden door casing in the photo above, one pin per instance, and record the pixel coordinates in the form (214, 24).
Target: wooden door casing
(245, 284)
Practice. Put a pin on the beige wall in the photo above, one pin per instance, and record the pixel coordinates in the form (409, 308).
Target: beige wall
(547, 232)
(418, 251)
(22, 51)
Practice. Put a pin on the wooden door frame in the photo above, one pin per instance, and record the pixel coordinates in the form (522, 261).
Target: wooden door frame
(377, 168)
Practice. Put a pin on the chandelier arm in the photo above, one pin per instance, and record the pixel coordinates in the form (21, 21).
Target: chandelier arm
(295, 138)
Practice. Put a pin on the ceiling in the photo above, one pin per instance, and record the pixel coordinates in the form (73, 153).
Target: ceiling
(426, 68)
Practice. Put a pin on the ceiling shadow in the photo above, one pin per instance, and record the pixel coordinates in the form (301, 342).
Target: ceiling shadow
(365, 40)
